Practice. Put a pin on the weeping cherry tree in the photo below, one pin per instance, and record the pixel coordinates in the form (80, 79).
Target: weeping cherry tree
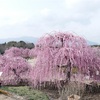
(60, 56)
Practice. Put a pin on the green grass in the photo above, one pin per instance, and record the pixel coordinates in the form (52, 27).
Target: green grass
(30, 94)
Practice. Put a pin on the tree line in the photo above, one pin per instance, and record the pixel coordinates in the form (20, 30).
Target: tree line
(19, 44)
(95, 46)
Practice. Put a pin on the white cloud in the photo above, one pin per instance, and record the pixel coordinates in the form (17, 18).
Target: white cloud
(37, 17)
(71, 3)
(45, 11)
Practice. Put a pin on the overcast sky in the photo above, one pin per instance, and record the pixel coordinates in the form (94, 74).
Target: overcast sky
(37, 17)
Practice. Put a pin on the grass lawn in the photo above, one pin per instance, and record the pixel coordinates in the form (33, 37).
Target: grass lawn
(29, 94)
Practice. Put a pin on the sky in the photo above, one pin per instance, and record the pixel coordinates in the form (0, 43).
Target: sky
(35, 18)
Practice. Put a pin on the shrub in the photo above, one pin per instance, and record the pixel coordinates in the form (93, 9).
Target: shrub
(15, 70)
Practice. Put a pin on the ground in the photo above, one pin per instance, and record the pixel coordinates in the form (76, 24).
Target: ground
(14, 97)
(45, 94)
(25, 93)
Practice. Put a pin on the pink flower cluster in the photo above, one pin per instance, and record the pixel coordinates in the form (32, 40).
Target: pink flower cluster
(15, 70)
(20, 52)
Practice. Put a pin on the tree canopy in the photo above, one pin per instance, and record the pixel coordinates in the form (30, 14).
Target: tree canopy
(58, 50)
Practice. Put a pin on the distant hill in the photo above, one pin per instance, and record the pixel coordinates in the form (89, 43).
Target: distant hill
(91, 43)
(33, 40)
(26, 39)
